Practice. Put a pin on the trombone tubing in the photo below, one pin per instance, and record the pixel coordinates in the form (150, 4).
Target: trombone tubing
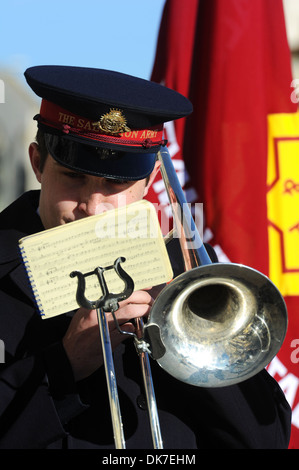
(149, 391)
(195, 254)
(117, 424)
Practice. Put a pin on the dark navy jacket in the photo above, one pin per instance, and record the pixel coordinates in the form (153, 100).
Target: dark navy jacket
(42, 407)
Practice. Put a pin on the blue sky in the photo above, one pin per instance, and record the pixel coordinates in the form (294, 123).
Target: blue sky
(112, 34)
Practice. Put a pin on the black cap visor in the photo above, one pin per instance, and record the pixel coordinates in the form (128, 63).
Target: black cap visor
(99, 161)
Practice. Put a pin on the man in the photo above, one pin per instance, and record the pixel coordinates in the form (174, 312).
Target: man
(99, 133)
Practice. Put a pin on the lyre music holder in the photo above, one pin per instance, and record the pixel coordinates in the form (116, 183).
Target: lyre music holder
(108, 302)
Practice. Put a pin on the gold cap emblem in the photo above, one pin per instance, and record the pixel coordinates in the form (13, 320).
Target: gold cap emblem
(113, 122)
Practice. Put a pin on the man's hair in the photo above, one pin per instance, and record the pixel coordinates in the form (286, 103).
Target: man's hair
(40, 140)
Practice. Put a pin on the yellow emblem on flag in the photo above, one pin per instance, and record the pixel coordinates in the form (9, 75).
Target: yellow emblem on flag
(283, 201)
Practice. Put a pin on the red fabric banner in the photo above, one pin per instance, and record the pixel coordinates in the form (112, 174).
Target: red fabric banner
(231, 59)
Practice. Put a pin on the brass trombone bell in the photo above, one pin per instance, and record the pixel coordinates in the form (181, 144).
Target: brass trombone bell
(217, 325)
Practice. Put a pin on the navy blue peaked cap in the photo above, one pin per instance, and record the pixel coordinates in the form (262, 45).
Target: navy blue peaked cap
(102, 122)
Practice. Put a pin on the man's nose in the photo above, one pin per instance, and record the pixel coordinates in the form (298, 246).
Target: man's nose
(94, 201)
(95, 204)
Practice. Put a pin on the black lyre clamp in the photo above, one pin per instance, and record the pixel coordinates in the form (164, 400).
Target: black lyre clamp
(108, 301)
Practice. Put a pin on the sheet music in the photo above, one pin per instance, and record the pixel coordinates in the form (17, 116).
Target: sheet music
(132, 232)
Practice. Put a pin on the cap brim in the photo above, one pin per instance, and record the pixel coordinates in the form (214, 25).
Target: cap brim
(92, 160)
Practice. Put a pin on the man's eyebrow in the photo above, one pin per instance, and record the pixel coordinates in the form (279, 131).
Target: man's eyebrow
(57, 164)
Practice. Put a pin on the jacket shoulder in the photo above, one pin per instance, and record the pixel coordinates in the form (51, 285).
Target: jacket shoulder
(16, 221)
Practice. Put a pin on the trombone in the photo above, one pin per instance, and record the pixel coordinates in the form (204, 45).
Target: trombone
(217, 324)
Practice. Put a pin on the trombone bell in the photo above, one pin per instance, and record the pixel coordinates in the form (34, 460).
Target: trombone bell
(219, 324)
(216, 324)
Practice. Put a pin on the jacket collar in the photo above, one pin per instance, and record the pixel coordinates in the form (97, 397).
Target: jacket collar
(16, 221)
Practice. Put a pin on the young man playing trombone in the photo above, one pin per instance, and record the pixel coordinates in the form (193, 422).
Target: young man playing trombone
(99, 134)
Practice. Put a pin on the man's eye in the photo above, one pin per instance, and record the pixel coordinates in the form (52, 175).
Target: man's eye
(118, 182)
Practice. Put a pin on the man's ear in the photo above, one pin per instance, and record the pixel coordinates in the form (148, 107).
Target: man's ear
(34, 155)
(152, 177)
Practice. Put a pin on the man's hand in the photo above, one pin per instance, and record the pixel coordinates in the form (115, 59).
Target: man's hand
(82, 340)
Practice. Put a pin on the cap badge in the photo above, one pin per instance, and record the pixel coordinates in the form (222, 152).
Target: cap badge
(113, 122)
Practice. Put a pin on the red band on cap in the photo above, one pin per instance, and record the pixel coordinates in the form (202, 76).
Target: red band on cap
(111, 127)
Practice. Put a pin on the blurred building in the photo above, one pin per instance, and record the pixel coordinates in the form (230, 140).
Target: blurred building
(18, 106)
(17, 130)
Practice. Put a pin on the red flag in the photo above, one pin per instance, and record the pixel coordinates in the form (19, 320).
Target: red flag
(231, 58)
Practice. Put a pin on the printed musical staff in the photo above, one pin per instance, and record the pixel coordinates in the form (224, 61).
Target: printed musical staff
(51, 256)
